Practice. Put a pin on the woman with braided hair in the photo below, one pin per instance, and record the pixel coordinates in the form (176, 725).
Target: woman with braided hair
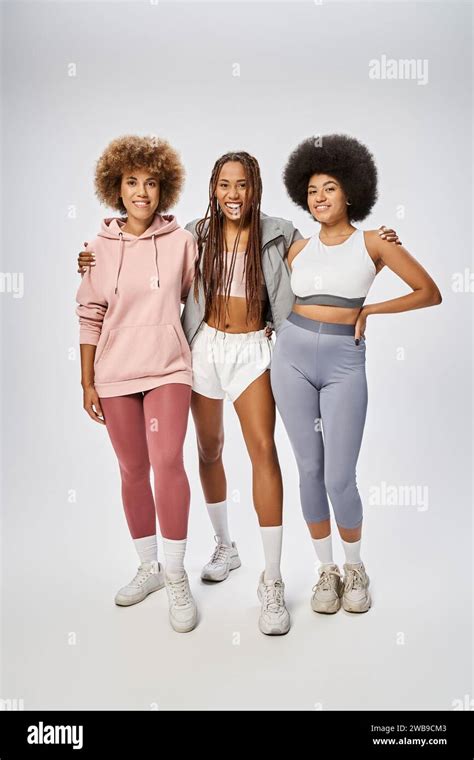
(241, 292)
(241, 253)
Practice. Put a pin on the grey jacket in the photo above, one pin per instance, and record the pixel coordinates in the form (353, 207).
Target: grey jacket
(277, 236)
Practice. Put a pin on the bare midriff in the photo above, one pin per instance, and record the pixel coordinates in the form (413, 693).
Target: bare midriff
(339, 314)
(234, 319)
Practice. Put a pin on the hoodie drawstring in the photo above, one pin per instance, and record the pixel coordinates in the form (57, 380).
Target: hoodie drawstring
(120, 261)
(122, 246)
(156, 262)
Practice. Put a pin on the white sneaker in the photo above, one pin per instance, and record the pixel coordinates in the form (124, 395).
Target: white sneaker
(149, 578)
(274, 618)
(328, 590)
(356, 597)
(224, 559)
(182, 607)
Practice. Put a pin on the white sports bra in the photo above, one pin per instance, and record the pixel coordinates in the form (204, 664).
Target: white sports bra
(333, 275)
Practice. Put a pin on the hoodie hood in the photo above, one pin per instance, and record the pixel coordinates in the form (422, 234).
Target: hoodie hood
(111, 228)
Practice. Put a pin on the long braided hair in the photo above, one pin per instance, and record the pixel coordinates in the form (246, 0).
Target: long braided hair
(216, 276)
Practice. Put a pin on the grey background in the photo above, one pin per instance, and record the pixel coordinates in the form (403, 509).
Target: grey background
(166, 69)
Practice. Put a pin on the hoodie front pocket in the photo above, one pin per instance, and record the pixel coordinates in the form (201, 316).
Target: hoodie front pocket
(101, 347)
(140, 351)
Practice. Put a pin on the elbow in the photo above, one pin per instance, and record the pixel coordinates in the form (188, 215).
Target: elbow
(436, 298)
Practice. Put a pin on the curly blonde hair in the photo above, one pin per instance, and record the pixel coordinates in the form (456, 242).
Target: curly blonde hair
(134, 152)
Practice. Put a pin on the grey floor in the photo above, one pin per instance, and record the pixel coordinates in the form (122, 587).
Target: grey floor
(67, 646)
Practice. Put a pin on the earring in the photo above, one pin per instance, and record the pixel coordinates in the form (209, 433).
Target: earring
(348, 204)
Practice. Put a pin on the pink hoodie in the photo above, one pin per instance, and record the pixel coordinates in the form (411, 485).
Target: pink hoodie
(129, 306)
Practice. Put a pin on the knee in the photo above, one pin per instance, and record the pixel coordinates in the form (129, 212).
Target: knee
(311, 468)
(167, 458)
(263, 451)
(135, 472)
(339, 485)
(210, 449)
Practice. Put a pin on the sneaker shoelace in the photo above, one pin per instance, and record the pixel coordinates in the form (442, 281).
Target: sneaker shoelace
(326, 579)
(144, 573)
(179, 591)
(273, 596)
(355, 580)
(220, 554)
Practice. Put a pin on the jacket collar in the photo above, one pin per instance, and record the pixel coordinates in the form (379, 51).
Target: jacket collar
(270, 228)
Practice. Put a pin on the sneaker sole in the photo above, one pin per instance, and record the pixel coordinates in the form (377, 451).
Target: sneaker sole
(274, 631)
(235, 563)
(125, 601)
(357, 608)
(183, 627)
(326, 608)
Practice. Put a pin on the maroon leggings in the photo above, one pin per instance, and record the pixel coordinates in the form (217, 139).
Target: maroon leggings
(150, 427)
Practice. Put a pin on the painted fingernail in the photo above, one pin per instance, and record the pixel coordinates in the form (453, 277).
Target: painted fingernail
(357, 341)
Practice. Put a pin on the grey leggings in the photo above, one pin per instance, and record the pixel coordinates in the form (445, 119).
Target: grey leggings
(318, 380)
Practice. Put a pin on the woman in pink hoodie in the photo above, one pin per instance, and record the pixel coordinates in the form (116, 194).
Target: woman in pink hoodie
(135, 360)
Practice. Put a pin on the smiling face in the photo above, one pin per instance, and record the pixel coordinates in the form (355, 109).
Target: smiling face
(140, 193)
(327, 201)
(233, 192)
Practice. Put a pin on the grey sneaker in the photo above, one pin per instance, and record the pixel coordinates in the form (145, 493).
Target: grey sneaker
(274, 617)
(356, 597)
(328, 590)
(224, 559)
(182, 607)
(149, 578)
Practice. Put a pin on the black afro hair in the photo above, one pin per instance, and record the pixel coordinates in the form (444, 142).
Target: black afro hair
(342, 157)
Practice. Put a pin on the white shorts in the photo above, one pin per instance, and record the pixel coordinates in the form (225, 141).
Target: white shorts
(226, 363)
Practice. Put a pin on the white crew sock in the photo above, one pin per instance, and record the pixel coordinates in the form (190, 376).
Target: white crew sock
(323, 549)
(218, 514)
(352, 552)
(174, 552)
(147, 548)
(272, 538)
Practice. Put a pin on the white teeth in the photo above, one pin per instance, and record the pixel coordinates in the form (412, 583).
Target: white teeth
(233, 206)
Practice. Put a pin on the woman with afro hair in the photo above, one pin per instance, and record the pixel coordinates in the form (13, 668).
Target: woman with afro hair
(318, 369)
(135, 360)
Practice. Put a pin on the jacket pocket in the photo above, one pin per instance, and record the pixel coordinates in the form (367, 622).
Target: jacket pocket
(139, 351)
